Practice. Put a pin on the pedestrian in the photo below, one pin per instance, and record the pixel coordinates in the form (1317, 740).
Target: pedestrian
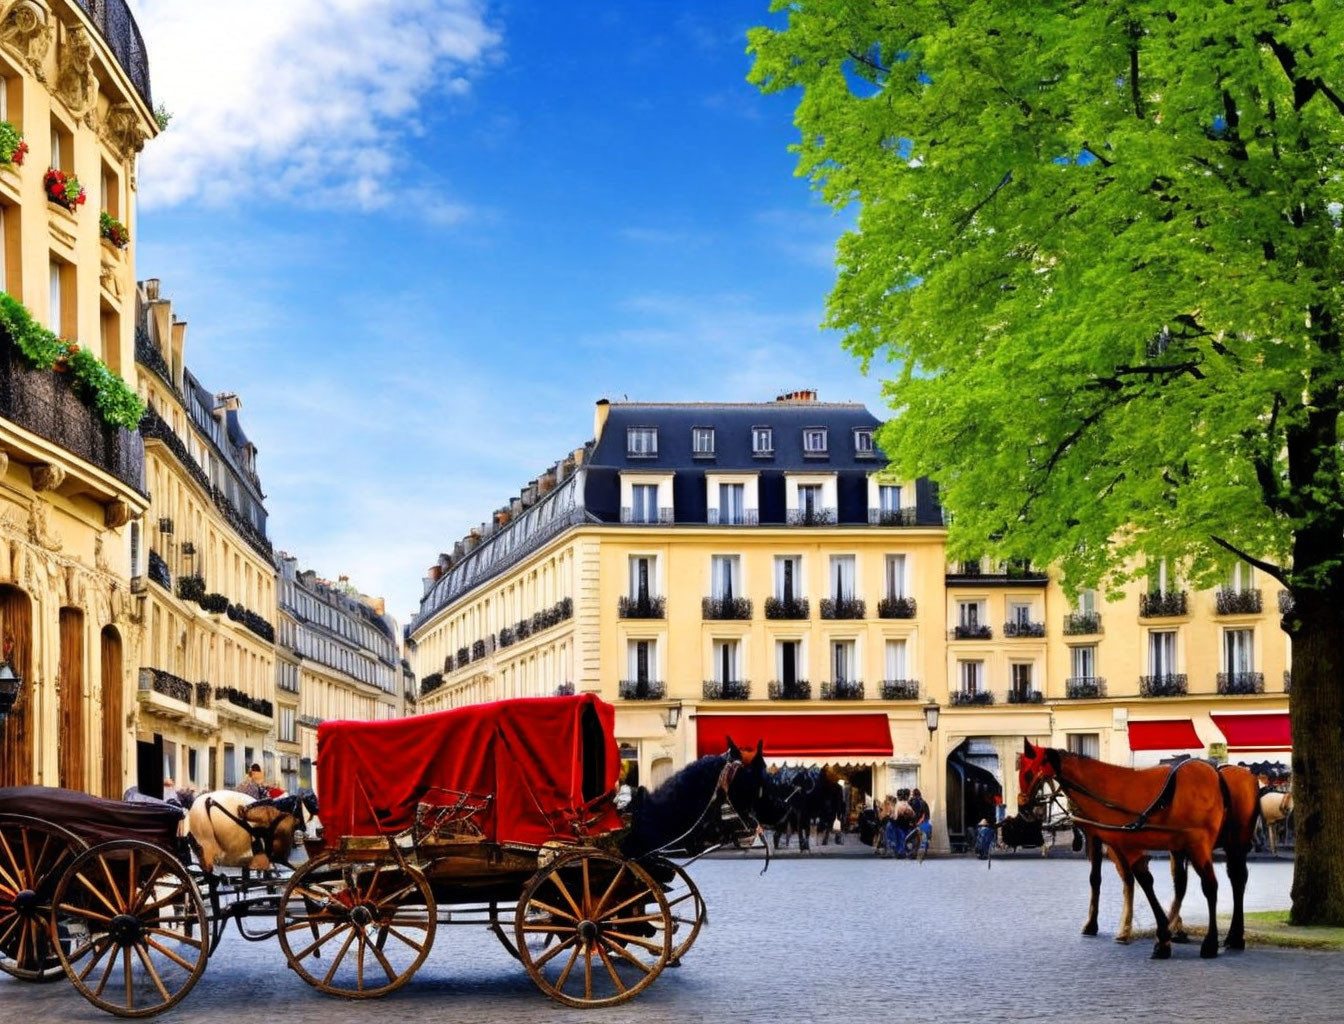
(923, 814)
(984, 839)
(253, 785)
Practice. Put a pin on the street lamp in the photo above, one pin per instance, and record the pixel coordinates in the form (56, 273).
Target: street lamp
(10, 684)
(931, 712)
(673, 715)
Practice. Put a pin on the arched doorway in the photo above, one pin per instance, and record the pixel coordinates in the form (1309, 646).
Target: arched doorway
(16, 734)
(972, 786)
(72, 740)
(114, 702)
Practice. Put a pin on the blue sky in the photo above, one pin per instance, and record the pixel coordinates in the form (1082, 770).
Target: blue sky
(421, 238)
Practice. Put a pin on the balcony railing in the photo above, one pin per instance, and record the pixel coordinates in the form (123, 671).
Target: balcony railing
(237, 698)
(1024, 629)
(641, 607)
(463, 656)
(431, 683)
(896, 608)
(643, 689)
(787, 608)
(660, 517)
(900, 689)
(1013, 572)
(843, 608)
(45, 403)
(1163, 686)
(842, 689)
(743, 517)
(114, 22)
(725, 608)
(891, 517)
(564, 690)
(727, 689)
(970, 632)
(961, 698)
(1082, 623)
(167, 684)
(799, 689)
(477, 650)
(1159, 604)
(1241, 682)
(1285, 602)
(1084, 687)
(1024, 696)
(1237, 602)
(811, 517)
(158, 570)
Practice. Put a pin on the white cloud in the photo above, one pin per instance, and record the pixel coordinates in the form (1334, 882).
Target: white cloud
(306, 99)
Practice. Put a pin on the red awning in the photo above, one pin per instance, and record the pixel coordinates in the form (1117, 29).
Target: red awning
(1261, 731)
(1165, 734)
(817, 737)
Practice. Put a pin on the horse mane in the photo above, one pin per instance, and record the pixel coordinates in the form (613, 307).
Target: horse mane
(674, 808)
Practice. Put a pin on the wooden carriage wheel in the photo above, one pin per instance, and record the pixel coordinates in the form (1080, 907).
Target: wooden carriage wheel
(33, 853)
(357, 928)
(688, 910)
(593, 929)
(134, 928)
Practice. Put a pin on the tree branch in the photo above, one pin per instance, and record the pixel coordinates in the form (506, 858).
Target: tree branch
(1268, 568)
(970, 215)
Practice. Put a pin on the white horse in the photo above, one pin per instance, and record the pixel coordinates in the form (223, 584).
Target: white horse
(1275, 806)
(233, 830)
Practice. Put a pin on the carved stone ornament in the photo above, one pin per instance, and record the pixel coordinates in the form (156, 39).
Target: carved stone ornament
(26, 30)
(75, 83)
(47, 476)
(4, 463)
(121, 129)
(109, 276)
(39, 527)
(116, 514)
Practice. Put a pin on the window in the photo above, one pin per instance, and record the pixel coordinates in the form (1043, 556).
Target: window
(641, 577)
(762, 441)
(895, 576)
(895, 666)
(725, 661)
(1239, 577)
(702, 441)
(645, 507)
(1238, 650)
(641, 442)
(809, 499)
(1019, 613)
(288, 733)
(814, 441)
(1084, 744)
(110, 186)
(788, 577)
(1160, 579)
(54, 322)
(732, 510)
(842, 661)
(641, 654)
(1162, 653)
(969, 613)
(788, 660)
(193, 766)
(1087, 602)
(1021, 677)
(971, 676)
(841, 577)
(889, 497)
(726, 576)
(863, 442)
(135, 547)
(1083, 662)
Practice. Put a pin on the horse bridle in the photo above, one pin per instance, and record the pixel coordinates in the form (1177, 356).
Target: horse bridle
(1140, 822)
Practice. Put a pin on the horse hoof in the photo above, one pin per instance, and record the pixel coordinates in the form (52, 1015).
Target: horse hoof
(1161, 951)
(1208, 951)
(1235, 942)
(1180, 936)
(1090, 928)
(1123, 939)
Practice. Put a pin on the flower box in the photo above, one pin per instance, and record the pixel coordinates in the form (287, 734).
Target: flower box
(63, 189)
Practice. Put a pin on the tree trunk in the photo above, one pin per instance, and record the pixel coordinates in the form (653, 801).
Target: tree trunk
(1317, 714)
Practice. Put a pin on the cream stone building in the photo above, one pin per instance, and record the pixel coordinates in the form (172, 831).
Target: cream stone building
(348, 659)
(747, 570)
(203, 577)
(74, 97)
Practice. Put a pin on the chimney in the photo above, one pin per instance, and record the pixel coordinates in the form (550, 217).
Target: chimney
(600, 417)
(502, 517)
(546, 483)
(802, 395)
(435, 571)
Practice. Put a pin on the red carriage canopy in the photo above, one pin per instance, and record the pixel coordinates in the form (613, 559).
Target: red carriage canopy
(548, 765)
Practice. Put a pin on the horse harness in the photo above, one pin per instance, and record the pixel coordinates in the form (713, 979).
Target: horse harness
(1160, 802)
(721, 796)
(262, 836)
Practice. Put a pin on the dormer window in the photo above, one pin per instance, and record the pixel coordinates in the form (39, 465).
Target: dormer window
(863, 443)
(702, 442)
(762, 442)
(814, 441)
(641, 442)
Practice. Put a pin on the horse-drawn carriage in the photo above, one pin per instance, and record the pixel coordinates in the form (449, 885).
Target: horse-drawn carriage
(499, 815)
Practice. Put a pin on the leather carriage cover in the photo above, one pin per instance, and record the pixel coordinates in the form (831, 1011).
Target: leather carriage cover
(548, 766)
(93, 818)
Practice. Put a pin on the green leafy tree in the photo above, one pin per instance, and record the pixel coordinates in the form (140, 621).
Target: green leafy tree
(1098, 245)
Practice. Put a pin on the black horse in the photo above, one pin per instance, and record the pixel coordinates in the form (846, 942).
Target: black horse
(804, 797)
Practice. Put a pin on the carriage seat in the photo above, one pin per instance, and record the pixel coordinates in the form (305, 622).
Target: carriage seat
(95, 819)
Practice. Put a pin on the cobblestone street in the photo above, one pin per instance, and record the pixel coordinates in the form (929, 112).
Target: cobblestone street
(826, 937)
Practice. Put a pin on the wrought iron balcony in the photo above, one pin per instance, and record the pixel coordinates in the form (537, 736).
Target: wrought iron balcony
(742, 517)
(431, 683)
(642, 689)
(727, 689)
(842, 689)
(1024, 629)
(641, 607)
(238, 699)
(660, 517)
(564, 690)
(114, 22)
(812, 517)
(1016, 696)
(477, 650)
(1084, 687)
(1163, 686)
(1082, 623)
(191, 588)
(1286, 603)
(900, 689)
(1241, 682)
(725, 608)
(896, 608)
(1162, 604)
(158, 570)
(891, 517)
(1237, 602)
(787, 608)
(843, 608)
(506, 636)
(463, 656)
(166, 683)
(799, 689)
(972, 632)
(961, 698)
(1013, 572)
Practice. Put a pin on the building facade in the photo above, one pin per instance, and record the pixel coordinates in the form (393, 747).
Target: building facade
(202, 575)
(748, 571)
(75, 109)
(340, 651)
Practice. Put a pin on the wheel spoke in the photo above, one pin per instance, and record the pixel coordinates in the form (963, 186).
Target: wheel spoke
(113, 889)
(387, 967)
(559, 883)
(419, 947)
(15, 880)
(185, 964)
(97, 956)
(187, 940)
(84, 912)
(587, 968)
(620, 873)
(616, 947)
(636, 898)
(359, 958)
(639, 919)
(153, 974)
(148, 887)
(611, 968)
(130, 889)
(164, 901)
(546, 957)
(321, 941)
(636, 940)
(564, 975)
(336, 961)
(107, 971)
(14, 922)
(587, 904)
(554, 911)
(96, 892)
(130, 983)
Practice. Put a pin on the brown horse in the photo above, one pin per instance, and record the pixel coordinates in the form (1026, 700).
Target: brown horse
(1181, 809)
